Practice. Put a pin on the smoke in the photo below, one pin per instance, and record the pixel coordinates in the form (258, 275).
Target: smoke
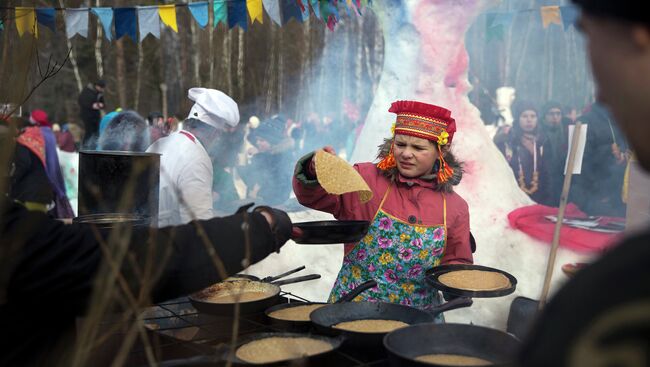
(127, 131)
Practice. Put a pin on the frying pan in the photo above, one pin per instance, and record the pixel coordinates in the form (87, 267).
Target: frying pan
(433, 274)
(200, 299)
(329, 231)
(326, 317)
(404, 345)
(304, 325)
(318, 359)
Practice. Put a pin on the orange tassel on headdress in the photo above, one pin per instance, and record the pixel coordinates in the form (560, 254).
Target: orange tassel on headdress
(445, 172)
(388, 161)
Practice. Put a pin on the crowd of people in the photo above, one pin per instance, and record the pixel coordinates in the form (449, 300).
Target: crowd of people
(536, 147)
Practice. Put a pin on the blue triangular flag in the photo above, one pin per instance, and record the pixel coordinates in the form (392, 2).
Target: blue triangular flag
(125, 23)
(199, 12)
(237, 14)
(304, 9)
(2, 25)
(148, 21)
(290, 9)
(76, 22)
(569, 15)
(105, 16)
(272, 8)
(46, 17)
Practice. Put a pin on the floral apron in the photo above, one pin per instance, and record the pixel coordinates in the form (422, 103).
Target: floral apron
(396, 255)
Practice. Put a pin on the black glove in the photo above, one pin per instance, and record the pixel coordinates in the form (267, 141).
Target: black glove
(244, 208)
(280, 225)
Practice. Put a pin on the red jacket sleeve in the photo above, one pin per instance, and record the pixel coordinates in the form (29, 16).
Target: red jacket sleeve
(458, 250)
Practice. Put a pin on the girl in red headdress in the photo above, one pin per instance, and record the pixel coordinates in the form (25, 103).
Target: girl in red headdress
(417, 220)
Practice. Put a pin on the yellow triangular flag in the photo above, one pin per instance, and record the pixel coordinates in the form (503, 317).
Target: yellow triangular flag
(255, 10)
(550, 14)
(26, 21)
(168, 16)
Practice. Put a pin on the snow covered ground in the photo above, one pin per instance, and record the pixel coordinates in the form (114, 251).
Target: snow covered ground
(426, 60)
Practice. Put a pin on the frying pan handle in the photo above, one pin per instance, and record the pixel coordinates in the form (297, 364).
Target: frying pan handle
(271, 279)
(459, 302)
(297, 279)
(357, 291)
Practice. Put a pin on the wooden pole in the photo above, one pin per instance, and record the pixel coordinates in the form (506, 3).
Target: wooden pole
(560, 215)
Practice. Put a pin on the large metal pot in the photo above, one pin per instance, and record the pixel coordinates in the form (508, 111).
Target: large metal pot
(119, 182)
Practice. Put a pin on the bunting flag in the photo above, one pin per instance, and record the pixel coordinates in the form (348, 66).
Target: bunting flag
(125, 23)
(315, 8)
(168, 16)
(255, 10)
(26, 21)
(105, 16)
(272, 8)
(199, 12)
(290, 9)
(569, 15)
(550, 15)
(304, 9)
(2, 25)
(220, 12)
(46, 17)
(237, 14)
(148, 21)
(76, 22)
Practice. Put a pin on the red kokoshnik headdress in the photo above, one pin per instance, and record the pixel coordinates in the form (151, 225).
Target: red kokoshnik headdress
(424, 121)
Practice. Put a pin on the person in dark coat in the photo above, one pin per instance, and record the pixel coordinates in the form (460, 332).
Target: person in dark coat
(91, 102)
(268, 176)
(601, 316)
(554, 128)
(597, 190)
(525, 150)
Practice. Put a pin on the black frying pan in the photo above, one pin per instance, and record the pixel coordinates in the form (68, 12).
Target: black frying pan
(404, 345)
(326, 317)
(433, 274)
(304, 325)
(315, 360)
(224, 355)
(329, 231)
(200, 300)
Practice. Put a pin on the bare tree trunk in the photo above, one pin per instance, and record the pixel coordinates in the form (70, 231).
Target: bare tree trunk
(138, 80)
(280, 46)
(271, 75)
(196, 54)
(358, 62)
(120, 72)
(305, 67)
(240, 63)
(98, 48)
(226, 61)
(210, 50)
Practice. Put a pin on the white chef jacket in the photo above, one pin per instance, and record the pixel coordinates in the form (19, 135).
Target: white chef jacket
(185, 169)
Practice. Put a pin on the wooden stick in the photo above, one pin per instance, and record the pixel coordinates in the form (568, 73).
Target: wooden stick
(564, 198)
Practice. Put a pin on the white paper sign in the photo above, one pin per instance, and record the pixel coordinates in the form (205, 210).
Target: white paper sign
(580, 151)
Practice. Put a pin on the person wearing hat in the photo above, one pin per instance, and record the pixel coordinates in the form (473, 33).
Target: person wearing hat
(601, 316)
(524, 147)
(186, 171)
(91, 103)
(417, 220)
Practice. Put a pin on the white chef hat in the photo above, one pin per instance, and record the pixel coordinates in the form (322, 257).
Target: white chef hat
(213, 107)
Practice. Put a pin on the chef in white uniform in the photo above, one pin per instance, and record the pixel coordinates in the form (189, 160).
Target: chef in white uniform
(185, 167)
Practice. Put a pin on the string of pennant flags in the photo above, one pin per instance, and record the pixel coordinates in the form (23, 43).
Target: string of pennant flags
(146, 20)
(564, 16)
